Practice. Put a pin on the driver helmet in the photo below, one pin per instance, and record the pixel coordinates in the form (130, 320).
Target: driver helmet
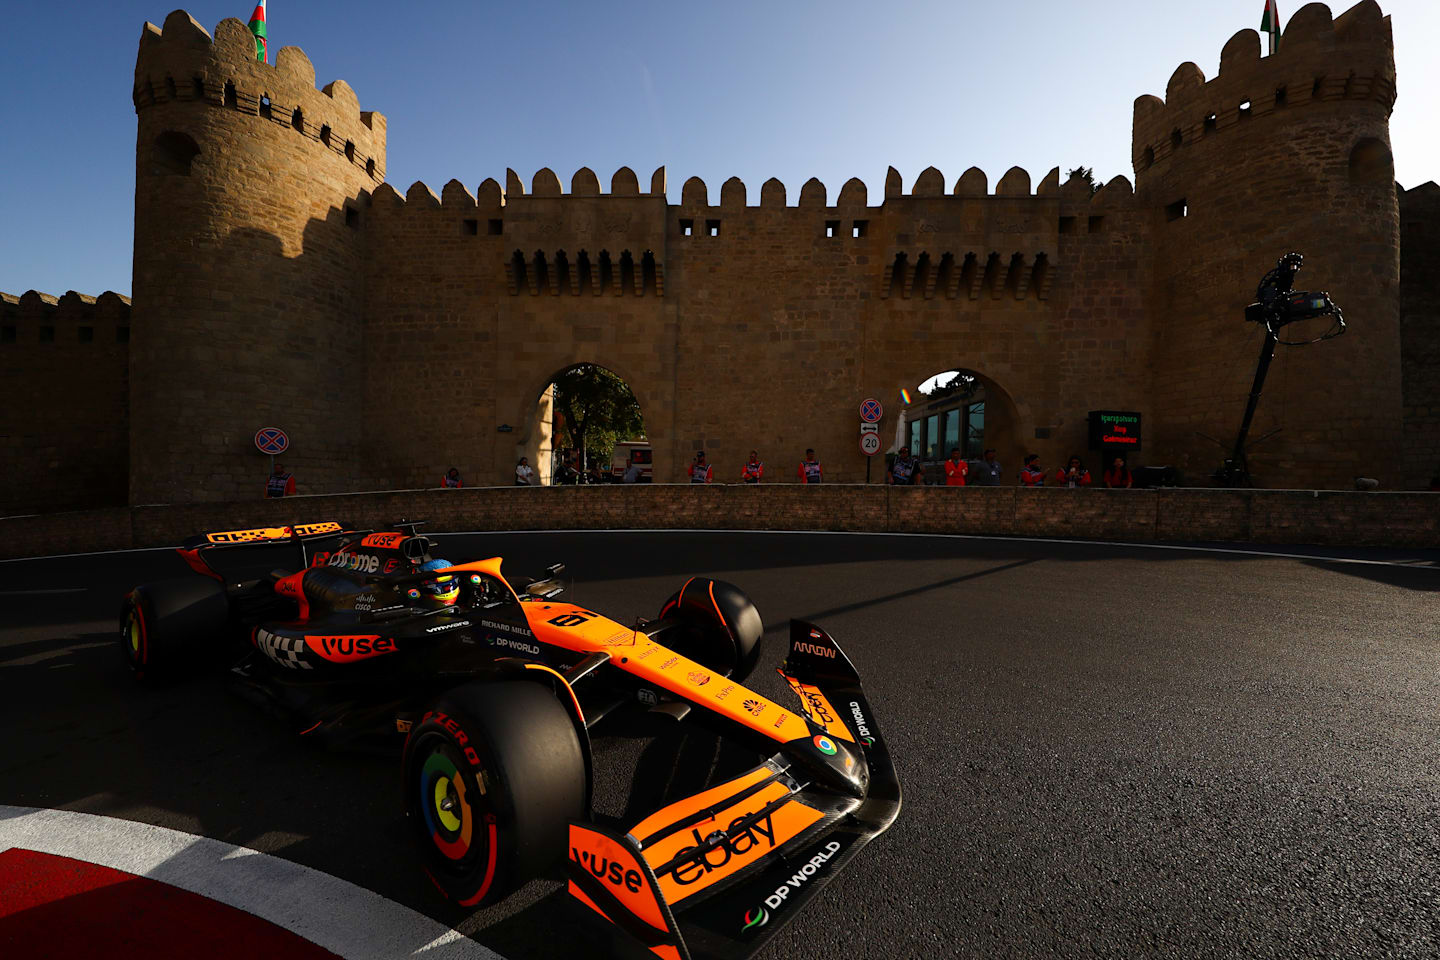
(444, 590)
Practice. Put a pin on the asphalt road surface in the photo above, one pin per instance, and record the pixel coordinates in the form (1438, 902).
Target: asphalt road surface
(1106, 751)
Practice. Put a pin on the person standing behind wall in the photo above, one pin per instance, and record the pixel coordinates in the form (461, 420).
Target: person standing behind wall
(1118, 477)
(955, 469)
(988, 473)
(753, 470)
(452, 480)
(700, 471)
(902, 471)
(524, 473)
(280, 484)
(809, 470)
(1032, 474)
(1073, 474)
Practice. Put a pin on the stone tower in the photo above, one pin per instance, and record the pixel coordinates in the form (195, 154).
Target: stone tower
(1288, 152)
(248, 282)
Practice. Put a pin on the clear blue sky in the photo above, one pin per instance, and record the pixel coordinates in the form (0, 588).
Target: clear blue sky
(786, 88)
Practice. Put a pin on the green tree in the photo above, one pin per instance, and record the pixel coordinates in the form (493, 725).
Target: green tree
(598, 409)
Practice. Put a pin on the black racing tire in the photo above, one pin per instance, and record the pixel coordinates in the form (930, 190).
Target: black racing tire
(481, 842)
(721, 628)
(165, 625)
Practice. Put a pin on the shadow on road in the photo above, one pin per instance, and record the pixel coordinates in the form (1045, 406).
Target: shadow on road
(913, 591)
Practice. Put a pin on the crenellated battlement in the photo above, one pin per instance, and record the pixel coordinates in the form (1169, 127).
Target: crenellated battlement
(42, 318)
(960, 243)
(1320, 60)
(180, 63)
(695, 194)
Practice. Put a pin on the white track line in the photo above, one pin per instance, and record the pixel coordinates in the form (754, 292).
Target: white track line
(1409, 564)
(347, 920)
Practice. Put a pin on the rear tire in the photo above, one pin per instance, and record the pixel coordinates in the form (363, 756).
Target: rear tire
(163, 624)
(493, 774)
(719, 626)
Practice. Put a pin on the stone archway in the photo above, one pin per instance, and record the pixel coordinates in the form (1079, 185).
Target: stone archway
(1005, 422)
(536, 440)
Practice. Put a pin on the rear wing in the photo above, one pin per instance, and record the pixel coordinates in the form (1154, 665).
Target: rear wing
(300, 531)
(192, 550)
(715, 875)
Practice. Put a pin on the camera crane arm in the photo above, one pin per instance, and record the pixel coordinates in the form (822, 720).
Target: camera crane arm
(1276, 304)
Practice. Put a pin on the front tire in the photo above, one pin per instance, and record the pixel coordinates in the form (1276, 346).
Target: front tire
(493, 774)
(162, 624)
(719, 626)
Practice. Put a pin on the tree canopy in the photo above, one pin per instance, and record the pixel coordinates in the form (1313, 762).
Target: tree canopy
(598, 410)
(1088, 175)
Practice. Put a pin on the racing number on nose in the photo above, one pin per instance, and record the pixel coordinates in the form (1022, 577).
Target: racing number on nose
(567, 620)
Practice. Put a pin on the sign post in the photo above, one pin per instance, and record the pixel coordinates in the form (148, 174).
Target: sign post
(272, 441)
(869, 432)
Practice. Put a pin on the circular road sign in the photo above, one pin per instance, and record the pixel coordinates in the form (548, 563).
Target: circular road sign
(271, 440)
(870, 444)
(871, 411)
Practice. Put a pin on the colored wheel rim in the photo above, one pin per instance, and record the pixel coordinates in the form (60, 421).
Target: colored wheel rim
(452, 803)
(132, 636)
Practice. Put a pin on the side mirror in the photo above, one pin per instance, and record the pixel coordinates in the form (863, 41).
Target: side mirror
(552, 586)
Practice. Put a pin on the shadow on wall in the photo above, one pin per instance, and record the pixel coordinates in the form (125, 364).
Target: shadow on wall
(280, 346)
(65, 445)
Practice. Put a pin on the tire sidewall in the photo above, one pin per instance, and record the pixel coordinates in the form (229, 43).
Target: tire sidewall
(181, 621)
(517, 740)
(135, 617)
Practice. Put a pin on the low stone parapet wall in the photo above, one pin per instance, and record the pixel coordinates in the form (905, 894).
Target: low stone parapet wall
(1323, 517)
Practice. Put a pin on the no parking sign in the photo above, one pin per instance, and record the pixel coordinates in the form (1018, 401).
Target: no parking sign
(271, 440)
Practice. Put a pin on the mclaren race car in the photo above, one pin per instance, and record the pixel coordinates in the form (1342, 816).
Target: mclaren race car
(496, 686)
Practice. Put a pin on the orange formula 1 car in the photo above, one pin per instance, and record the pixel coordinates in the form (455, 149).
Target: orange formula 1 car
(497, 685)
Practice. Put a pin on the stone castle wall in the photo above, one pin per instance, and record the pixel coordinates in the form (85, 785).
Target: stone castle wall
(1335, 518)
(1288, 152)
(249, 252)
(743, 326)
(1420, 330)
(280, 281)
(64, 427)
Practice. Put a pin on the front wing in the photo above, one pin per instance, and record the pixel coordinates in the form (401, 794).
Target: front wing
(713, 876)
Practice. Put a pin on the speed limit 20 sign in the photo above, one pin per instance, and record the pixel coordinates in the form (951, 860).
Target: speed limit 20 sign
(870, 444)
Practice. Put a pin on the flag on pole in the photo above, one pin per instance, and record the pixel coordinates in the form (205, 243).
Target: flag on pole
(257, 27)
(1269, 23)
